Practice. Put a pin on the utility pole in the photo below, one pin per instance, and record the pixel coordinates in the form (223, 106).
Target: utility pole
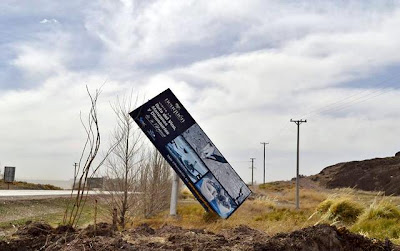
(75, 174)
(252, 170)
(75, 165)
(264, 143)
(298, 122)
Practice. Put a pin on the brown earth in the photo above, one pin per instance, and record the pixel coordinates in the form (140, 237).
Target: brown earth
(379, 174)
(40, 236)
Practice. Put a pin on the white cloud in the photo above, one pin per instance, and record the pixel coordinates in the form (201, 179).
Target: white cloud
(45, 21)
(243, 69)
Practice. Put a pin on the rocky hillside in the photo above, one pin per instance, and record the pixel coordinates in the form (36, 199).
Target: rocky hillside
(380, 174)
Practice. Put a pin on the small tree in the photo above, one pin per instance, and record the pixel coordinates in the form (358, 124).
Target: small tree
(123, 164)
(155, 183)
(86, 163)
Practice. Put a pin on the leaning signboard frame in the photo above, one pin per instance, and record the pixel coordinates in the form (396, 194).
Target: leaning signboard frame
(192, 155)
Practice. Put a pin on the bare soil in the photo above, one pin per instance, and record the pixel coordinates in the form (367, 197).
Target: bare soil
(40, 236)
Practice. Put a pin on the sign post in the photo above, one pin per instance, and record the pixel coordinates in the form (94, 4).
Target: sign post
(174, 195)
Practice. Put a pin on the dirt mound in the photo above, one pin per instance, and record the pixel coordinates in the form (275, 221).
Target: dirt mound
(243, 230)
(380, 174)
(322, 237)
(34, 229)
(101, 229)
(142, 230)
(39, 236)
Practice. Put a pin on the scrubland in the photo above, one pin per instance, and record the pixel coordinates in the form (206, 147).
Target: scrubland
(270, 209)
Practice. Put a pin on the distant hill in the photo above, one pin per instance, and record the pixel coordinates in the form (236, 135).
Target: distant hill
(20, 185)
(379, 174)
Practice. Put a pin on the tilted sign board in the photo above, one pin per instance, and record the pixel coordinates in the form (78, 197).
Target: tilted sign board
(9, 174)
(191, 154)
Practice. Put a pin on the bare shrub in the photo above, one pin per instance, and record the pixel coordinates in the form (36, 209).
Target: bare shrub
(86, 163)
(122, 167)
(155, 183)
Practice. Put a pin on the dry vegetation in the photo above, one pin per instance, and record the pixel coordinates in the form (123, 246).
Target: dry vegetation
(270, 209)
(16, 185)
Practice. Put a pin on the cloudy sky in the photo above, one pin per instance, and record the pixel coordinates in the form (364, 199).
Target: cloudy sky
(242, 68)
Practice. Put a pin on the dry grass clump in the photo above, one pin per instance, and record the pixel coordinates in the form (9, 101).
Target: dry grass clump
(339, 210)
(345, 210)
(381, 220)
(186, 194)
(324, 206)
(381, 209)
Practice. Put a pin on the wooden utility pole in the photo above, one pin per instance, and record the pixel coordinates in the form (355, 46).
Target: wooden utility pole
(298, 122)
(252, 170)
(75, 166)
(264, 143)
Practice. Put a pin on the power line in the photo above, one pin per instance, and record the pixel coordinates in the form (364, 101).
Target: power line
(340, 105)
(358, 100)
(382, 86)
(347, 103)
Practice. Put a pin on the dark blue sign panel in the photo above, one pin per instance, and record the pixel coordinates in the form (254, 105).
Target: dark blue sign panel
(191, 154)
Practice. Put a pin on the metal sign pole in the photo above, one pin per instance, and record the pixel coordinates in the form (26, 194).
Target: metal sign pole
(174, 195)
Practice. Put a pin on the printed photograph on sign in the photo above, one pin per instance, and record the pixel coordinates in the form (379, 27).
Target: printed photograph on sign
(217, 164)
(216, 196)
(186, 158)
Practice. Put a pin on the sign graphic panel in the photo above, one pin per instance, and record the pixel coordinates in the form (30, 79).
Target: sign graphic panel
(191, 154)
